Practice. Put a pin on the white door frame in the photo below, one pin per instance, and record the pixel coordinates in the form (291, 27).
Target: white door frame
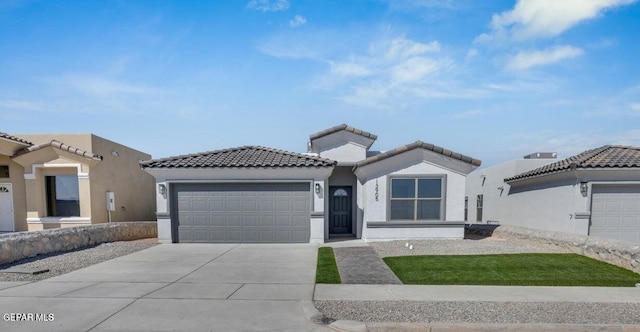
(12, 225)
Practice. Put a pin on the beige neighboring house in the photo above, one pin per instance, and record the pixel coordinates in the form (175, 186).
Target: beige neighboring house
(63, 180)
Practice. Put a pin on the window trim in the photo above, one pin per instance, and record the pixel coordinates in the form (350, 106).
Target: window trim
(416, 177)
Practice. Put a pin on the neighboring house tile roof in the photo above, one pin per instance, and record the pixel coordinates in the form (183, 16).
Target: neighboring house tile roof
(61, 146)
(245, 156)
(15, 139)
(608, 156)
(416, 145)
(342, 127)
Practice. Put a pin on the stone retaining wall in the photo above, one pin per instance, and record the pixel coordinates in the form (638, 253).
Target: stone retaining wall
(16, 246)
(620, 253)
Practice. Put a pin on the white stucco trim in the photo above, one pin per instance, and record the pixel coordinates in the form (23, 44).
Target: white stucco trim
(61, 220)
(35, 167)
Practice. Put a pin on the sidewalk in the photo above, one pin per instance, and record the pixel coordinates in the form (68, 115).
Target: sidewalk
(430, 293)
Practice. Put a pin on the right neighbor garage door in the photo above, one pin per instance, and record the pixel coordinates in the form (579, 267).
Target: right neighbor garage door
(615, 212)
(242, 212)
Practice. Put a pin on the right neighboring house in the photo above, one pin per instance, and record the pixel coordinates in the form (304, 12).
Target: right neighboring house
(595, 193)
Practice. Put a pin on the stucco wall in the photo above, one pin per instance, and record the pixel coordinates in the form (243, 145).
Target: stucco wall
(488, 181)
(119, 172)
(550, 207)
(347, 153)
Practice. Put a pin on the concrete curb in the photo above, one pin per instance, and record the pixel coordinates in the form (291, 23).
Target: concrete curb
(353, 326)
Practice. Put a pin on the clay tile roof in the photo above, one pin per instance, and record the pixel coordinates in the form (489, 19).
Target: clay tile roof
(61, 146)
(245, 156)
(608, 156)
(421, 145)
(15, 139)
(343, 127)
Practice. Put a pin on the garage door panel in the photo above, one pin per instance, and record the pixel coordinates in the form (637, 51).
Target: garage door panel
(615, 212)
(250, 221)
(274, 212)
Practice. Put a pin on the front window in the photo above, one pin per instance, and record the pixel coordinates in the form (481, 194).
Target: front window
(416, 199)
(63, 196)
(466, 208)
(4, 171)
(479, 207)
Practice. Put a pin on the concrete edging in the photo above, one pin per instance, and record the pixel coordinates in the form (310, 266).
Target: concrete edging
(620, 253)
(17, 246)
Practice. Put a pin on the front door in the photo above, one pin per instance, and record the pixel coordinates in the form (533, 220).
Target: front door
(340, 210)
(6, 208)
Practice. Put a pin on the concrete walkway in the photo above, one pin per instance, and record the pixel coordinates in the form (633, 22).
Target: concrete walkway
(362, 265)
(174, 287)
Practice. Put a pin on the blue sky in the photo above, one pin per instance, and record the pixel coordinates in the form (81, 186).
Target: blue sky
(491, 79)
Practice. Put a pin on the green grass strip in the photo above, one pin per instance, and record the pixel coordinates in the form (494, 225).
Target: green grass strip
(510, 270)
(327, 270)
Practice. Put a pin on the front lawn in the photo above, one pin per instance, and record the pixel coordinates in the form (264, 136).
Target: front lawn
(510, 270)
(326, 269)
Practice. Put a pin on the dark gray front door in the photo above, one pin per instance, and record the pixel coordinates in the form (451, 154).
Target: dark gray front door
(340, 210)
(241, 212)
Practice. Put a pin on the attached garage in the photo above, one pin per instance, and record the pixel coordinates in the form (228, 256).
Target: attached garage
(241, 212)
(615, 212)
(249, 194)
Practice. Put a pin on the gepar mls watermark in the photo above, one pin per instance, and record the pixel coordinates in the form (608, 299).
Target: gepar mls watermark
(27, 317)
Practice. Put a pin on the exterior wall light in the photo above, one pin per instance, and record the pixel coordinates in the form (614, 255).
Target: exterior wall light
(584, 189)
(162, 188)
(318, 188)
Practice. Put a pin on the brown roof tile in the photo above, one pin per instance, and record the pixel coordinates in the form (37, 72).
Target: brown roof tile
(416, 145)
(608, 156)
(15, 139)
(245, 156)
(342, 127)
(61, 146)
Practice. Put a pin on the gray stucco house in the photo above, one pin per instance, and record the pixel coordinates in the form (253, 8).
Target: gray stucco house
(339, 188)
(595, 193)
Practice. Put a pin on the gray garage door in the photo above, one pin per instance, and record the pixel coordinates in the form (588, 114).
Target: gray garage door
(242, 212)
(615, 212)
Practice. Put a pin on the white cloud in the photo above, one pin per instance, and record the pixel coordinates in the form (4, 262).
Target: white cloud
(402, 48)
(635, 107)
(471, 53)
(349, 69)
(297, 21)
(525, 60)
(268, 5)
(546, 18)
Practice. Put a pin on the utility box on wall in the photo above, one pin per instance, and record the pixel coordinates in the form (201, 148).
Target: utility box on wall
(111, 201)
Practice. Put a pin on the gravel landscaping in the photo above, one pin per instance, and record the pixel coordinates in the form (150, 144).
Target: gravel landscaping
(471, 245)
(482, 312)
(61, 263)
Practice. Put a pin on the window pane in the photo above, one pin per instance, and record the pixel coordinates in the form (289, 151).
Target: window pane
(402, 210)
(4, 171)
(63, 196)
(429, 209)
(403, 188)
(429, 188)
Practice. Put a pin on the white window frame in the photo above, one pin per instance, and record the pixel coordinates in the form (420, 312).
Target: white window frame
(415, 199)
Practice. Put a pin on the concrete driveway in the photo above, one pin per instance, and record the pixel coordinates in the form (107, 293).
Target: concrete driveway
(174, 287)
